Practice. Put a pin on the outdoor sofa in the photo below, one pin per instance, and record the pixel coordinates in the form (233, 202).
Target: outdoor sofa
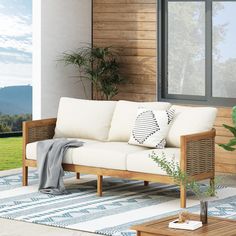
(105, 127)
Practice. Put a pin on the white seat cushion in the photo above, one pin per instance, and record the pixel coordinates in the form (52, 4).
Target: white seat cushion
(111, 155)
(141, 162)
(31, 151)
(124, 118)
(87, 119)
(190, 120)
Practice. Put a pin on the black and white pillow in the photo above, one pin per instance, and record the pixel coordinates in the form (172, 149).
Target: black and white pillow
(151, 127)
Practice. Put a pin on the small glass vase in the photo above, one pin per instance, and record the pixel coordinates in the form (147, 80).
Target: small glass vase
(203, 212)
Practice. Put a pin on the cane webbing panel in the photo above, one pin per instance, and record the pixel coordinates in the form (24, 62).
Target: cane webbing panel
(200, 156)
(40, 133)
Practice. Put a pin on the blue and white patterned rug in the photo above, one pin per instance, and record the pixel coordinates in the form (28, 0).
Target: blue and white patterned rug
(125, 203)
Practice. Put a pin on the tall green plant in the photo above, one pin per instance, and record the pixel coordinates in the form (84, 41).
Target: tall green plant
(180, 177)
(99, 65)
(231, 145)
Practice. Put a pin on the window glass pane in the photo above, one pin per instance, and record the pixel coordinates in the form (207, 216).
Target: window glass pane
(186, 48)
(224, 49)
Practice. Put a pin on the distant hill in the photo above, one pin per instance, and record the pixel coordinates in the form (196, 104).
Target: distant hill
(15, 100)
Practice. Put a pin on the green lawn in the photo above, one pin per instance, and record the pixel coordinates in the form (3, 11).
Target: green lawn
(10, 153)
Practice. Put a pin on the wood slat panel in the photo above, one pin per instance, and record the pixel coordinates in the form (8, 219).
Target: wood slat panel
(124, 8)
(138, 60)
(124, 1)
(221, 131)
(137, 52)
(136, 69)
(223, 120)
(225, 168)
(222, 139)
(114, 34)
(124, 17)
(222, 152)
(139, 97)
(224, 112)
(225, 159)
(125, 43)
(137, 88)
(140, 79)
(132, 26)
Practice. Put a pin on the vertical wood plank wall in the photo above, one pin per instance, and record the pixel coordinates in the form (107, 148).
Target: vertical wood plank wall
(130, 26)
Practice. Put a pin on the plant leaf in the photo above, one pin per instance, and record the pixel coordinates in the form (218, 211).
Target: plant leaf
(231, 129)
(232, 142)
(227, 148)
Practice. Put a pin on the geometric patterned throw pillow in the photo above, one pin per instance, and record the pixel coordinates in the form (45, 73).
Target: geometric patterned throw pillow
(151, 127)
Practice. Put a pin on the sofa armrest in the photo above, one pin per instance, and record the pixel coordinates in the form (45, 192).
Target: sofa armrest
(38, 130)
(198, 153)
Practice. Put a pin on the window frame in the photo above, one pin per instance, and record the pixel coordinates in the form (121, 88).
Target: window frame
(162, 52)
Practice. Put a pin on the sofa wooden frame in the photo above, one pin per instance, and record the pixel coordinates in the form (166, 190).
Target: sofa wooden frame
(197, 158)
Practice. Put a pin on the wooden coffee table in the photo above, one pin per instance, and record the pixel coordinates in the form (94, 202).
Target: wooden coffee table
(215, 227)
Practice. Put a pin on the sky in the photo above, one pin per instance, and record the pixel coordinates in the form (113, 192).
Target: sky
(227, 16)
(15, 42)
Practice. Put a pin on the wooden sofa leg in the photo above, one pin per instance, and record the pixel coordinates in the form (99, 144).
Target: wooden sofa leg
(212, 184)
(25, 176)
(146, 183)
(99, 186)
(183, 194)
(77, 175)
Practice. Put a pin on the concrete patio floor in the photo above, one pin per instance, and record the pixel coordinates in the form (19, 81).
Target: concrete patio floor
(18, 228)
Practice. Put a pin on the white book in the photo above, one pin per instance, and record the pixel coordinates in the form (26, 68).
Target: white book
(188, 225)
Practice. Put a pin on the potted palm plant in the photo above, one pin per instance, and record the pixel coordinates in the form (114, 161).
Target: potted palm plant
(98, 65)
(181, 178)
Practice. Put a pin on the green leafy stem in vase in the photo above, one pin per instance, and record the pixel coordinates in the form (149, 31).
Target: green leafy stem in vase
(231, 145)
(181, 178)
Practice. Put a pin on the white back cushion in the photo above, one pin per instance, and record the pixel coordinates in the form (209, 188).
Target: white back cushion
(190, 120)
(124, 118)
(84, 119)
